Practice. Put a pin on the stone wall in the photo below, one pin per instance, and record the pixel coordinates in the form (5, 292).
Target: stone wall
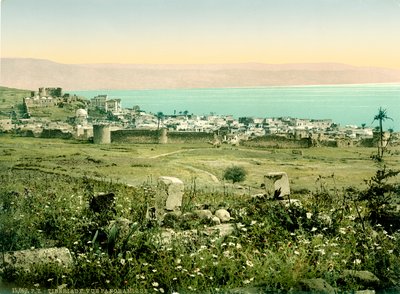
(155, 136)
(189, 137)
(277, 142)
(136, 136)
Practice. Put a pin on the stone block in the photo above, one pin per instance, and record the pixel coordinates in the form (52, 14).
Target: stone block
(277, 184)
(170, 192)
(23, 260)
(223, 215)
(168, 198)
(203, 214)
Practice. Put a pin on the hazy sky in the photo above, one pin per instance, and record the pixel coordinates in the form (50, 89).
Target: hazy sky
(358, 32)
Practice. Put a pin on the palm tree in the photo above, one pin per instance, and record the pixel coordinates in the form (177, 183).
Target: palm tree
(381, 117)
(159, 116)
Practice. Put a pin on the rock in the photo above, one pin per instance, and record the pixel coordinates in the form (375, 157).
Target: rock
(223, 215)
(203, 213)
(168, 235)
(58, 258)
(171, 192)
(215, 220)
(168, 198)
(277, 184)
(316, 285)
(222, 229)
(364, 278)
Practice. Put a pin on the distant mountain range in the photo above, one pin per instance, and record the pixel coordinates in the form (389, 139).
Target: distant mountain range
(26, 73)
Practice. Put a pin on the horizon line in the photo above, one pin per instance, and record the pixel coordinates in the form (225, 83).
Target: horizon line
(208, 64)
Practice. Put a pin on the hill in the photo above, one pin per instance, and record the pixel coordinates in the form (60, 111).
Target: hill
(11, 102)
(11, 105)
(34, 73)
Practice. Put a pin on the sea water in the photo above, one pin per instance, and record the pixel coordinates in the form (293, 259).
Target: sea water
(344, 104)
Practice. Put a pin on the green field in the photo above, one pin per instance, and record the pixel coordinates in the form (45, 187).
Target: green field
(136, 164)
(48, 184)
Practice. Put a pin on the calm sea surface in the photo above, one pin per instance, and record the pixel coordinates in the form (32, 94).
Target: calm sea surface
(345, 104)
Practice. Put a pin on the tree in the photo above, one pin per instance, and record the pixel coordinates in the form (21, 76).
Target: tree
(235, 174)
(381, 117)
(160, 117)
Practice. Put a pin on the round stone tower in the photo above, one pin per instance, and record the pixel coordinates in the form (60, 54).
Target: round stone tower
(101, 134)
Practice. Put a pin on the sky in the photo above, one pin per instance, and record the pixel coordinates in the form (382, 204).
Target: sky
(356, 32)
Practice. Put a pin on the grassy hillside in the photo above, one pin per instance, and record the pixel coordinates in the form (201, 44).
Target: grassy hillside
(11, 100)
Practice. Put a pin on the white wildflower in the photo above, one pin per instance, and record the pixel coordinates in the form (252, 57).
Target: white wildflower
(357, 261)
(309, 215)
(249, 263)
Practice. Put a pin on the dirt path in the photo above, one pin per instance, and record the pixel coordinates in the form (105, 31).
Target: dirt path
(171, 153)
(212, 176)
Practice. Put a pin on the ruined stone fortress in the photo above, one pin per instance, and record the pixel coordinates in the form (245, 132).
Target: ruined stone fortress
(44, 97)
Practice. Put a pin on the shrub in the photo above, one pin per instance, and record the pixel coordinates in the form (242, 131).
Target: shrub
(235, 174)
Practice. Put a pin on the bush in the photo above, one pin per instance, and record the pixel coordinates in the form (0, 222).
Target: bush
(235, 174)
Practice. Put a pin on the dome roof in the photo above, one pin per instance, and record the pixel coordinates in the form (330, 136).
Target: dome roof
(81, 113)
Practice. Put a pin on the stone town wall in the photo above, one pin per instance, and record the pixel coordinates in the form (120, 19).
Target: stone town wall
(277, 142)
(189, 137)
(154, 136)
(135, 136)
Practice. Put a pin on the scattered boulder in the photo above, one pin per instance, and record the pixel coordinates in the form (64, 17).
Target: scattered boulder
(216, 220)
(316, 285)
(22, 261)
(203, 213)
(222, 229)
(167, 199)
(170, 192)
(277, 184)
(223, 215)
